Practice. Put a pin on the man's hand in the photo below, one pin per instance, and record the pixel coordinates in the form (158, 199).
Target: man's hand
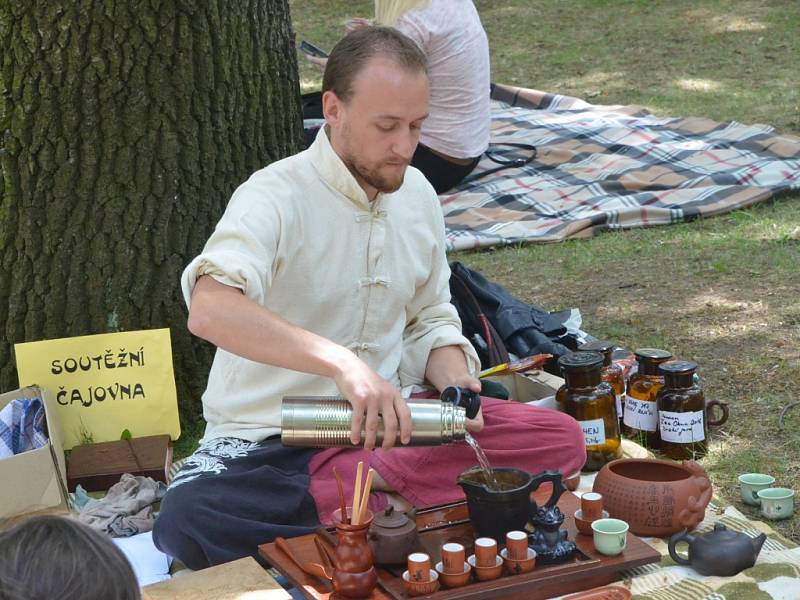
(371, 395)
(471, 383)
(447, 366)
(317, 61)
(356, 23)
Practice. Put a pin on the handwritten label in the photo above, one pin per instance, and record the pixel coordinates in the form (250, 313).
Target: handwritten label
(683, 428)
(594, 432)
(641, 414)
(104, 384)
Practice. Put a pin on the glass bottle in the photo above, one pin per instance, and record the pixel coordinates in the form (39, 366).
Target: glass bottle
(640, 414)
(590, 401)
(611, 373)
(682, 412)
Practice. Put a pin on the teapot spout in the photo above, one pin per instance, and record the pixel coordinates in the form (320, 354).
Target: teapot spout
(757, 542)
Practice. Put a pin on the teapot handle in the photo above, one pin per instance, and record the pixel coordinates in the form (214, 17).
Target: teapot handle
(558, 486)
(681, 536)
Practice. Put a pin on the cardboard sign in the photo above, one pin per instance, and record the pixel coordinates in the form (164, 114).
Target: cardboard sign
(104, 384)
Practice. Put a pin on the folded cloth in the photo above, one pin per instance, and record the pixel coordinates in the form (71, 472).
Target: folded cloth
(22, 426)
(127, 508)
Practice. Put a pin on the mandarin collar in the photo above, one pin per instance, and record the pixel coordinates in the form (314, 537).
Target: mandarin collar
(335, 173)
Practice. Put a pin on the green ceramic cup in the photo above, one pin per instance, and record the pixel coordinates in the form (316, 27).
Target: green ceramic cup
(751, 483)
(777, 503)
(610, 536)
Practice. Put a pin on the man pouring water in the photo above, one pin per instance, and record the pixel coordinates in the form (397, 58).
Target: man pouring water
(327, 276)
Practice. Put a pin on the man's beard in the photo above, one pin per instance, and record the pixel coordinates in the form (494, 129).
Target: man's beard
(374, 178)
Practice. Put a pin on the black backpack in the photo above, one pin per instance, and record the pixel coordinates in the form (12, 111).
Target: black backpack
(496, 323)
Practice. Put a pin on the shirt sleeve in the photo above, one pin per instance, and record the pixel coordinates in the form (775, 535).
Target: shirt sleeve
(432, 321)
(242, 250)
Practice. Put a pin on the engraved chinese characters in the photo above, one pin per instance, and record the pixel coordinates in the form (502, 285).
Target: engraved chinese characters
(641, 407)
(592, 403)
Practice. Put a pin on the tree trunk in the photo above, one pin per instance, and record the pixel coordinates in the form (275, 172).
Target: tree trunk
(126, 127)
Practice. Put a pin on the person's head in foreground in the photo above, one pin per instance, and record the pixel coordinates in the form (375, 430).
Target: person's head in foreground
(47, 557)
(375, 97)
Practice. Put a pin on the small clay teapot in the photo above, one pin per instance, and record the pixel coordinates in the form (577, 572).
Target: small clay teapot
(393, 536)
(720, 552)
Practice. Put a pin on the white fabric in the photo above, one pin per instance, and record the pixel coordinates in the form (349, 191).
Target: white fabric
(452, 37)
(301, 238)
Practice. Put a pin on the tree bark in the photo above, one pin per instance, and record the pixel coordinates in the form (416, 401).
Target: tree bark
(126, 126)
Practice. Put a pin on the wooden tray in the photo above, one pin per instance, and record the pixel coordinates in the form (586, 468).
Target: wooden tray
(440, 524)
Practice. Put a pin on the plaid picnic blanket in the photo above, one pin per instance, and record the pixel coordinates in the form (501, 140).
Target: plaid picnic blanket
(611, 167)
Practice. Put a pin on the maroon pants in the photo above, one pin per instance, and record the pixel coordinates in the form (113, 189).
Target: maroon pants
(515, 435)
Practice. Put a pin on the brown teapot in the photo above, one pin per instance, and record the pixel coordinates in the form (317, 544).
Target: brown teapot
(393, 536)
(720, 552)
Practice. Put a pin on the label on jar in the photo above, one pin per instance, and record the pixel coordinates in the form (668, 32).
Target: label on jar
(619, 405)
(682, 427)
(594, 432)
(641, 414)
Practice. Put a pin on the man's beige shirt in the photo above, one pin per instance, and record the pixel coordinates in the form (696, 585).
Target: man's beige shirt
(301, 238)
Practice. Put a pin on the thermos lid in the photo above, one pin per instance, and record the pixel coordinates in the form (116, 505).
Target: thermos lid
(678, 367)
(580, 361)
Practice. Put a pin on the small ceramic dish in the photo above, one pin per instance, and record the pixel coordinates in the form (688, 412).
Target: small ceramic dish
(584, 526)
(421, 588)
(486, 573)
(452, 580)
(516, 567)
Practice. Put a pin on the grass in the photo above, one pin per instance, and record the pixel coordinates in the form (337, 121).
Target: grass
(723, 291)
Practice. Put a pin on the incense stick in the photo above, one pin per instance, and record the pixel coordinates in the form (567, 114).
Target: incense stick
(357, 494)
(365, 495)
(342, 501)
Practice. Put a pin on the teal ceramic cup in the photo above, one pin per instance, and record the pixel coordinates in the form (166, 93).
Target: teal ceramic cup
(751, 483)
(777, 503)
(610, 536)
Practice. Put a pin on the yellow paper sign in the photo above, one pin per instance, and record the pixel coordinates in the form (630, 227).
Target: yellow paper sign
(104, 384)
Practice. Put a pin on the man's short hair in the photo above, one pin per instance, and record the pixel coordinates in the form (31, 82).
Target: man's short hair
(354, 50)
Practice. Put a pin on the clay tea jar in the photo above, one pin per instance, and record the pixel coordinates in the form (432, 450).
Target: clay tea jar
(655, 497)
(640, 413)
(393, 536)
(611, 373)
(354, 575)
(591, 402)
(683, 412)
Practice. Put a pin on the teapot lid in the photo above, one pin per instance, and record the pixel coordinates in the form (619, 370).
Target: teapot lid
(390, 518)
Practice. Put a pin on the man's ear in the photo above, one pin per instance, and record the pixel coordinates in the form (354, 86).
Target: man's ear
(331, 108)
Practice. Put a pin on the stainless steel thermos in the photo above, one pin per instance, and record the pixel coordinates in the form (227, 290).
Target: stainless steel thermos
(324, 422)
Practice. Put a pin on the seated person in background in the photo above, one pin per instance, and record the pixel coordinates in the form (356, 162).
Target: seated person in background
(327, 276)
(449, 32)
(49, 556)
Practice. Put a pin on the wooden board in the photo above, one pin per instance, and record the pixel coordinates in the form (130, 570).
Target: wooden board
(243, 578)
(438, 525)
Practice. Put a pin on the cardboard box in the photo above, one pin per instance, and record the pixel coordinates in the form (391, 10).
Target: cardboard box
(98, 466)
(34, 480)
(536, 387)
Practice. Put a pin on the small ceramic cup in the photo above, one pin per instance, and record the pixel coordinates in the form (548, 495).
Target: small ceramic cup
(751, 483)
(517, 545)
(776, 503)
(485, 552)
(453, 557)
(592, 506)
(419, 567)
(610, 536)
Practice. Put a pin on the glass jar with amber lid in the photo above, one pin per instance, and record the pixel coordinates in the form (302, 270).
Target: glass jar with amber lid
(590, 401)
(640, 413)
(611, 373)
(683, 413)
